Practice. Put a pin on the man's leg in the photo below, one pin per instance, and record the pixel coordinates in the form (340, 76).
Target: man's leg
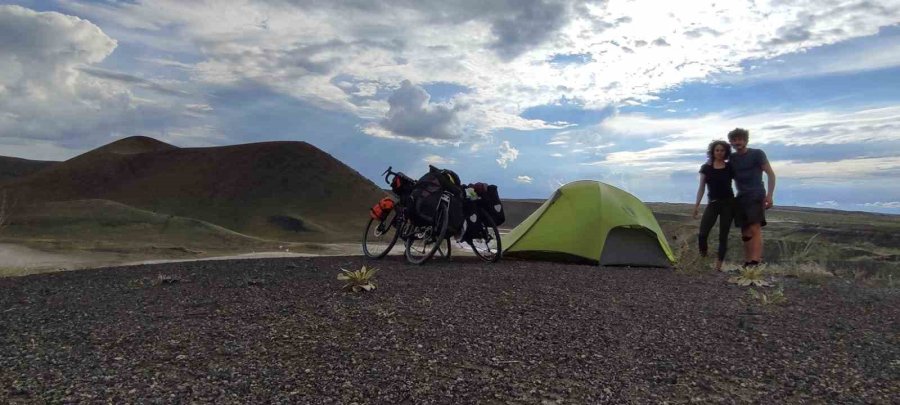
(757, 242)
(747, 238)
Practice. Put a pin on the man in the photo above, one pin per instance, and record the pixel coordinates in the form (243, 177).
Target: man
(753, 197)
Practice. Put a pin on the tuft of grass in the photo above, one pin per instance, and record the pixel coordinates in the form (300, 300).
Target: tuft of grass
(795, 254)
(358, 280)
(807, 273)
(688, 259)
(799, 261)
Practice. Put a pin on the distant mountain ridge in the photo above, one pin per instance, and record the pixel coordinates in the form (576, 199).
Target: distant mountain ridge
(13, 167)
(279, 190)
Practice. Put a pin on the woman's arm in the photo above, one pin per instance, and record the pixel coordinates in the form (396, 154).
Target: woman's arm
(699, 195)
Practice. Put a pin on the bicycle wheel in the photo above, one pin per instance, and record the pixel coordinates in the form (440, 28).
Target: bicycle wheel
(423, 243)
(444, 251)
(380, 236)
(487, 243)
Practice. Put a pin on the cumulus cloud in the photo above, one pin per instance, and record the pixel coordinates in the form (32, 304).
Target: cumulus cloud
(828, 204)
(412, 115)
(524, 179)
(506, 154)
(50, 92)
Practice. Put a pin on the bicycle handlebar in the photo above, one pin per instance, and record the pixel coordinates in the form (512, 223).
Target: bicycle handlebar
(388, 173)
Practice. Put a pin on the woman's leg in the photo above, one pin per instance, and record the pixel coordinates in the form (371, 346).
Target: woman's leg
(710, 214)
(726, 218)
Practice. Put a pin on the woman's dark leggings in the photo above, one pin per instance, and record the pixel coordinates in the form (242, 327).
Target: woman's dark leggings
(723, 210)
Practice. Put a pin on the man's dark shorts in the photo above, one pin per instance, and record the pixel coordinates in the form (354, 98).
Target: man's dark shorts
(751, 209)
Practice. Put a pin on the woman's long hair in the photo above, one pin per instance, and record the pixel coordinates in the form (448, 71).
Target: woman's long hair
(710, 152)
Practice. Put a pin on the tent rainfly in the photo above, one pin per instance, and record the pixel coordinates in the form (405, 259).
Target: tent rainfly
(590, 221)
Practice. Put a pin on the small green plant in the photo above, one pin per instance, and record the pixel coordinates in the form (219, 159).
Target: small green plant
(359, 280)
(775, 297)
(751, 276)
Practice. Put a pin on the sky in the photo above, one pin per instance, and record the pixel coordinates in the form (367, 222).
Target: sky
(525, 94)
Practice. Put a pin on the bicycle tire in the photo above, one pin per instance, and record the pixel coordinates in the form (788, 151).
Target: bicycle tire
(444, 212)
(488, 223)
(440, 250)
(389, 221)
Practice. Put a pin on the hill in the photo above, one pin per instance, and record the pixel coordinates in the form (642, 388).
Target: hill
(12, 167)
(276, 190)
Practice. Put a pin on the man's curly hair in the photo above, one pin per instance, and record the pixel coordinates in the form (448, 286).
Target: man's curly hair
(712, 147)
(739, 133)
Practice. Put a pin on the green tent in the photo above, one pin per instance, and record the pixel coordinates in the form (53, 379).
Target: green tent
(589, 221)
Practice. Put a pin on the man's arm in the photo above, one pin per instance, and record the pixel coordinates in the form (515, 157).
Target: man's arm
(770, 182)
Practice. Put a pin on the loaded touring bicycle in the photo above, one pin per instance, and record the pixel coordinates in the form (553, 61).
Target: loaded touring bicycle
(428, 212)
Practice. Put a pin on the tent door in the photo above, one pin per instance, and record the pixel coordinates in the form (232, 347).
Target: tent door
(633, 247)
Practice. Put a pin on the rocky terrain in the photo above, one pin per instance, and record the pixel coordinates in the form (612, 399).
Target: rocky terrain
(283, 331)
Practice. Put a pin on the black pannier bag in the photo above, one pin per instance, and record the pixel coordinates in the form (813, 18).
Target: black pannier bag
(490, 202)
(470, 222)
(426, 196)
(402, 185)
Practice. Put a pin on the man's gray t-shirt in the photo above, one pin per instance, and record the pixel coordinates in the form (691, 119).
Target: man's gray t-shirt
(748, 171)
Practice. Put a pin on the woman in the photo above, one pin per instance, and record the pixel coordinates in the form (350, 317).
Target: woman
(716, 176)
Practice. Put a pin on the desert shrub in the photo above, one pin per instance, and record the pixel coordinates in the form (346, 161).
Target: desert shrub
(799, 260)
(359, 280)
(687, 256)
(796, 253)
(752, 276)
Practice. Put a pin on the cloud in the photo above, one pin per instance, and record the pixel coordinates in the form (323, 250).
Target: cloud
(828, 204)
(438, 160)
(507, 154)
(839, 171)
(680, 136)
(411, 115)
(852, 56)
(131, 79)
(887, 204)
(50, 92)
(524, 179)
(529, 23)
(820, 146)
(299, 47)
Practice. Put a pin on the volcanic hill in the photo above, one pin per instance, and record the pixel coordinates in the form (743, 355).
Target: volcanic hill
(289, 191)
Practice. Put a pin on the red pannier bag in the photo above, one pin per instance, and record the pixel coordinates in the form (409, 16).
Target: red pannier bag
(381, 210)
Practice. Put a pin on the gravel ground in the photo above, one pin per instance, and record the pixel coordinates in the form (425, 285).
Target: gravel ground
(282, 331)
